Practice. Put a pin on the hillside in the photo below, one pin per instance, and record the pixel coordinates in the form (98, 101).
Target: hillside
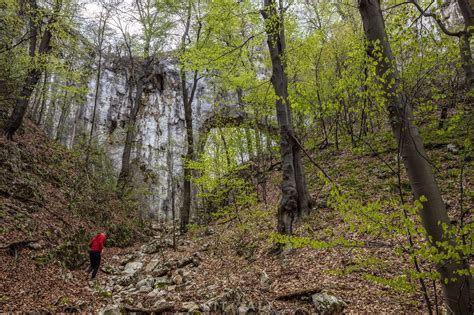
(228, 263)
(48, 213)
(239, 157)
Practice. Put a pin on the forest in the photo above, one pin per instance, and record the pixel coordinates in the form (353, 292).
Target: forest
(236, 156)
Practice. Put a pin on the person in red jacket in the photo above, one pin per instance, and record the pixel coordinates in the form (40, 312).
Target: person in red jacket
(96, 247)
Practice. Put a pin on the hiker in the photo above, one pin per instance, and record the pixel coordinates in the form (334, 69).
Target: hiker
(96, 247)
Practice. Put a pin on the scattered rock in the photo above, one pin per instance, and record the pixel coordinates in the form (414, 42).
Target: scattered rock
(177, 279)
(326, 304)
(204, 308)
(453, 148)
(125, 280)
(242, 310)
(132, 267)
(205, 247)
(190, 306)
(111, 310)
(35, 246)
(145, 289)
(151, 265)
(148, 282)
(162, 282)
(264, 279)
(154, 293)
(156, 245)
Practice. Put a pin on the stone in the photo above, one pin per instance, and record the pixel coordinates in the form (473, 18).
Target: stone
(242, 310)
(326, 304)
(205, 247)
(145, 289)
(148, 282)
(162, 282)
(204, 308)
(118, 288)
(264, 279)
(177, 279)
(159, 303)
(111, 310)
(35, 246)
(196, 262)
(132, 267)
(453, 148)
(190, 306)
(125, 280)
(151, 265)
(156, 226)
(154, 293)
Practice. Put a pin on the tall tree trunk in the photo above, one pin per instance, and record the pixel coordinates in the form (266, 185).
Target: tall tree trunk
(465, 41)
(44, 92)
(65, 109)
(34, 73)
(294, 196)
(124, 175)
(188, 119)
(421, 177)
(188, 97)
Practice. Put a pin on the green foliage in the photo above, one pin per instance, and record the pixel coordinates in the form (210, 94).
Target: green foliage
(398, 284)
(222, 180)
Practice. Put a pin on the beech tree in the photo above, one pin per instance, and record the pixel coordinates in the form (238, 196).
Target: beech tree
(40, 46)
(188, 95)
(295, 198)
(154, 20)
(456, 284)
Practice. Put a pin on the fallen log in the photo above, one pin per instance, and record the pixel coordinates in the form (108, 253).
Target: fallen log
(13, 248)
(298, 294)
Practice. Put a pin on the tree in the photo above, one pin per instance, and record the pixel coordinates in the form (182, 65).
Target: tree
(464, 36)
(153, 18)
(466, 54)
(37, 61)
(106, 9)
(295, 198)
(423, 184)
(188, 97)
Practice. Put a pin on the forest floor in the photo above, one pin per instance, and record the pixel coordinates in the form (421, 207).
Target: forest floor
(229, 262)
(203, 267)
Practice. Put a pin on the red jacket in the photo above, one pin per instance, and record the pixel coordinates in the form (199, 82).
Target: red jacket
(97, 243)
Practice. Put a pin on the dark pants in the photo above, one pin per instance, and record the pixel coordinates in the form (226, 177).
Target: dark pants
(95, 263)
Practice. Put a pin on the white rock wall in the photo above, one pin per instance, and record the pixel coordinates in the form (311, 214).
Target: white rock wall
(160, 126)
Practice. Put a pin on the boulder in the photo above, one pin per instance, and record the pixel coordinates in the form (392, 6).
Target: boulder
(326, 304)
(190, 306)
(154, 293)
(145, 289)
(151, 265)
(148, 282)
(453, 148)
(125, 280)
(177, 279)
(132, 267)
(162, 282)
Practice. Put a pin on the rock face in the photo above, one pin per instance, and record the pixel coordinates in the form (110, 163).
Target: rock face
(159, 134)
